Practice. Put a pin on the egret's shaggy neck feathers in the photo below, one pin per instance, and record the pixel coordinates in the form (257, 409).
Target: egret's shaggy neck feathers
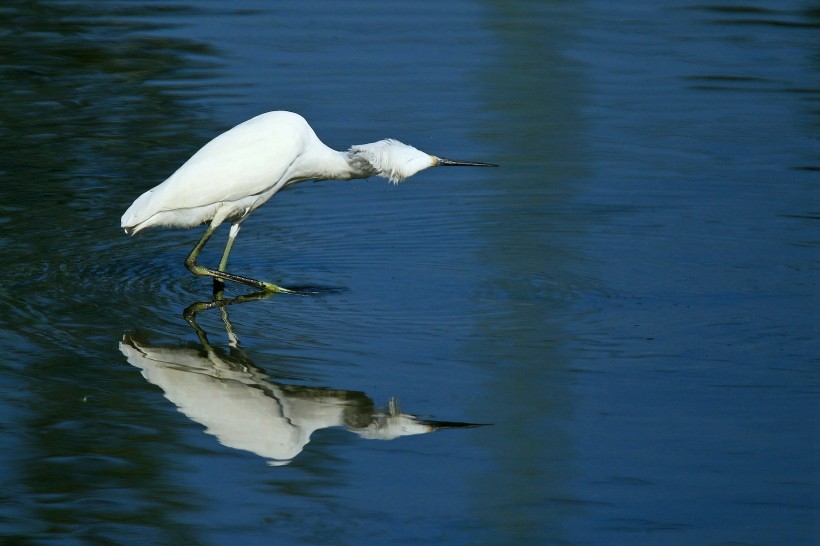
(389, 159)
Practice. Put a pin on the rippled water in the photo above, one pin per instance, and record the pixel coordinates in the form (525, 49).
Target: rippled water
(629, 302)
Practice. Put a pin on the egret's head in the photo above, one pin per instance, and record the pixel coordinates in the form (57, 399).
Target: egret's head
(396, 161)
(393, 160)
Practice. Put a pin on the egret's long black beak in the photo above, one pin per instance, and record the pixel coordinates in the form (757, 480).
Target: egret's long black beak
(443, 162)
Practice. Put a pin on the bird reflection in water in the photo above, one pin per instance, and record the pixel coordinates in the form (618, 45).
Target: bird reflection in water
(244, 409)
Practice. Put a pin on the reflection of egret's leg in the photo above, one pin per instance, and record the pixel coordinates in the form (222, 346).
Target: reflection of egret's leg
(196, 269)
(233, 339)
(192, 310)
(190, 317)
(190, 314)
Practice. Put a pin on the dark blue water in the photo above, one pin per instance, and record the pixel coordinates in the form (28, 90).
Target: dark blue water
(629, 301)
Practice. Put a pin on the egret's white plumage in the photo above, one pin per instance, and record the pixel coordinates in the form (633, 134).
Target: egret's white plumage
(240, 169)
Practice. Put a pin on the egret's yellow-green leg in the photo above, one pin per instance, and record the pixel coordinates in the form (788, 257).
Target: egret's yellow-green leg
(219, 286)
(231, 236)
(196, 269)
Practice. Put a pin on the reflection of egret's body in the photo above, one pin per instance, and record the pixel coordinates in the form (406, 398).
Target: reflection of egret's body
(238, 404)
(242, 168)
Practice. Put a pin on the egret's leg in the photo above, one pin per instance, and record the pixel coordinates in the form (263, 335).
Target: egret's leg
(219, 286)
(196, 269)
(231, 236)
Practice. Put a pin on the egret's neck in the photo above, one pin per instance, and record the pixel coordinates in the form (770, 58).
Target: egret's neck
(358, 166)
(325, 163)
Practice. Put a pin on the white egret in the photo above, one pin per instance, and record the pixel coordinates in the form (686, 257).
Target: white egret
(240, 169)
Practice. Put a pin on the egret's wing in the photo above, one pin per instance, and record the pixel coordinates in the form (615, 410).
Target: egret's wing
(247, 160)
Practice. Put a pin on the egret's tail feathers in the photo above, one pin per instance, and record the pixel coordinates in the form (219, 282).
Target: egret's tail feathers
(139, 211)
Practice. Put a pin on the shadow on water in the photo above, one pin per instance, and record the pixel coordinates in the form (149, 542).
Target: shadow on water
(245, 409)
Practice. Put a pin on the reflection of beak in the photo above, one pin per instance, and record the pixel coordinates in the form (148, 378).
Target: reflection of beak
(440, 425)
(443, 162)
